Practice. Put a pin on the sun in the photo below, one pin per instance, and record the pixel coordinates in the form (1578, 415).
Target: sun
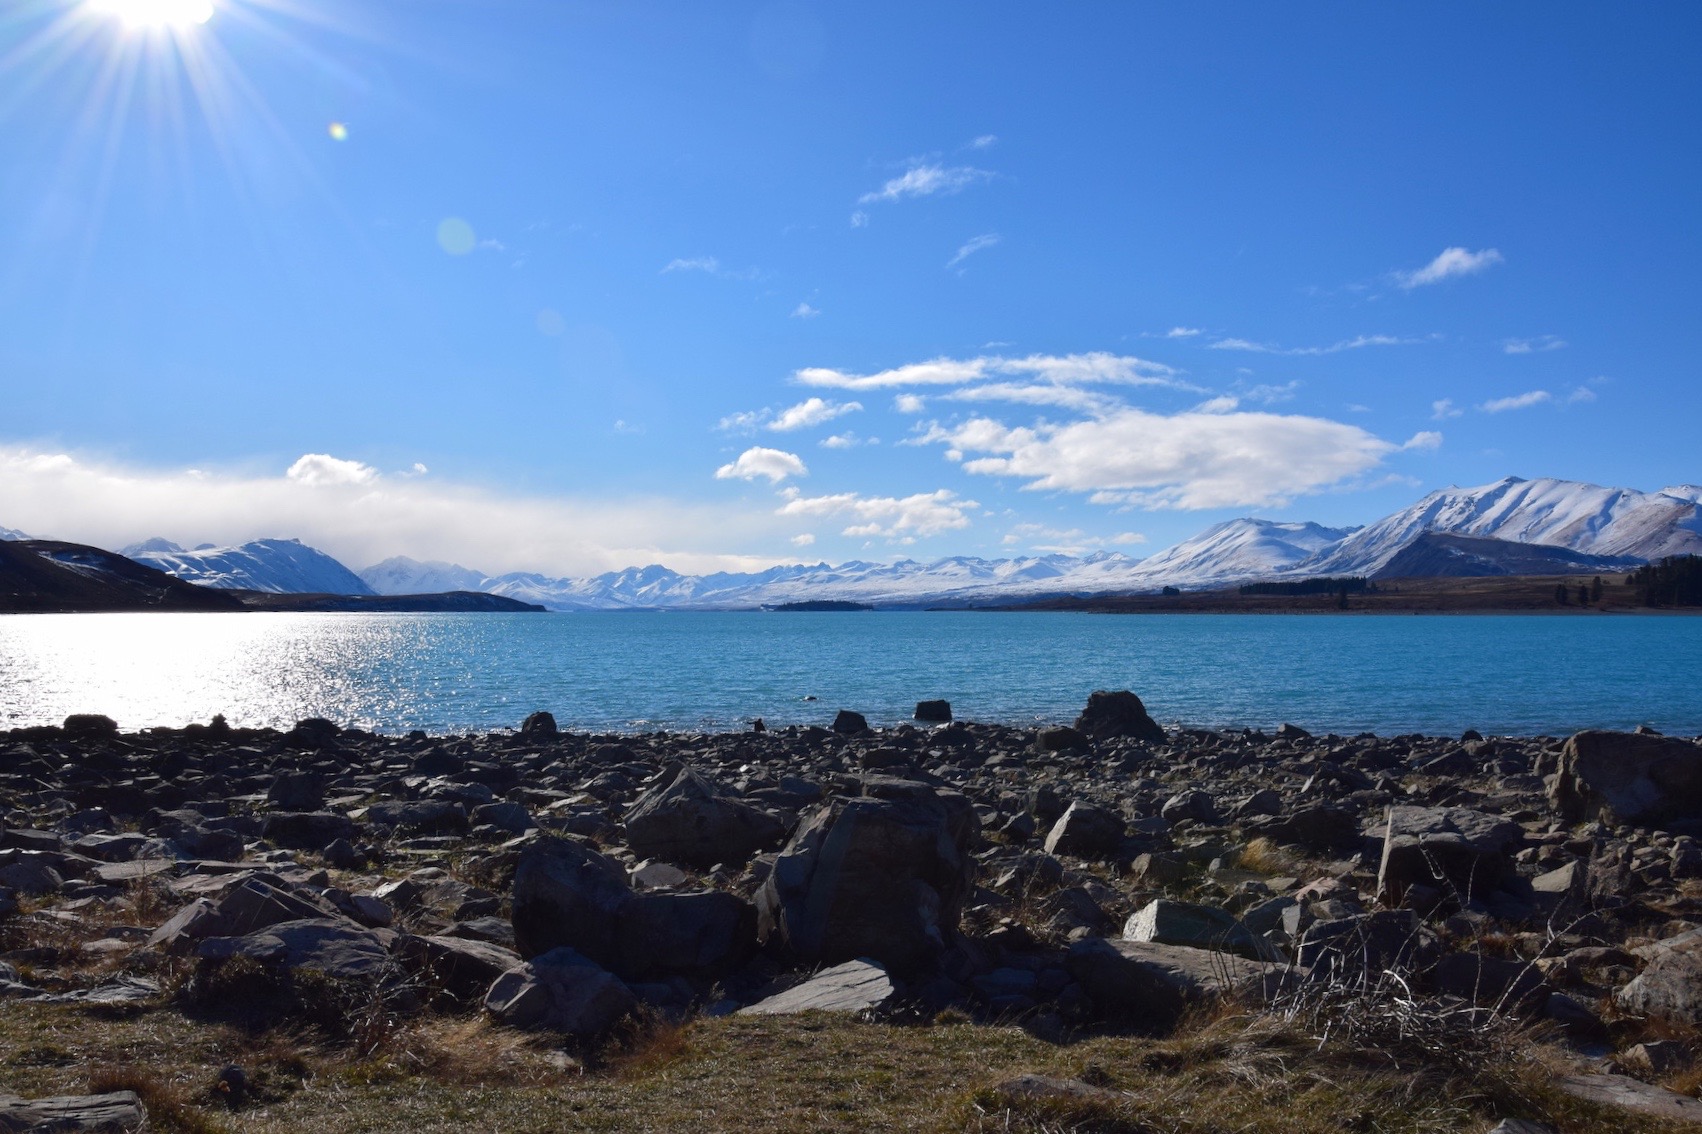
(175, 15)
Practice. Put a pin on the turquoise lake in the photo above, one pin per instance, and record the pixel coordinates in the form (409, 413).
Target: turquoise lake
(624, 672)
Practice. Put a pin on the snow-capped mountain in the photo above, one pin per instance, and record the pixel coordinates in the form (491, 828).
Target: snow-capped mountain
(400, 575)
(1237, 550)
(281, 566)
(13, 534)
(1563, 513)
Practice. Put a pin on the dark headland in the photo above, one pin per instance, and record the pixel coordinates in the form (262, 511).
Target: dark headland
(1100, 926)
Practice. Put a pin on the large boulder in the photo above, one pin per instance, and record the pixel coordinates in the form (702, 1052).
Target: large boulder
(1627, 777)
(882, 876)
(1199, 927)
(567, 895)
(108, 1113)
(563, 991)
(1153, 984)
(1670, 985)
(339, 950)
(1086, 831)
(855, 986)
(1464, 852)
(1109, 715)
(693, 820)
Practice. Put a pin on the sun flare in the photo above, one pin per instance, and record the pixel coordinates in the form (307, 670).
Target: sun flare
(178, 15)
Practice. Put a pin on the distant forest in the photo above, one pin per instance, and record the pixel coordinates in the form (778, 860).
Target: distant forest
(1351, 585)
(1674, 581)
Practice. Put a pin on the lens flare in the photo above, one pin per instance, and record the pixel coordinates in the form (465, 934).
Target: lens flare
(174, 14)
(338, 131)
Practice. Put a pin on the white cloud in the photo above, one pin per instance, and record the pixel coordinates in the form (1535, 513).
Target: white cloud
(1224, 403)
(1425, 439)
(1580, 394)
(1034, 394)
(985, 141)
(1517, 402)
(926, 181)
(1182, 332)
(335, 505)
(973, 245)
(909, 403)
(846, 441)
(1357, 343)
(693, 264)
(1073, 369)
(1538, 345)
(859, 219)
(919, 516)
(1443, 408)
(1449, 263)
(1268, 394)
(319, 469)
(775, 464)
(805, 311)
(804, 540)
(1124, 539)
(811, 411)
(1187, 460)
(745, 421)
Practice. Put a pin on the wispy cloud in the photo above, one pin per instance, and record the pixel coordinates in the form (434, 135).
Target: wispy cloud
(805, 311)
(773, 464)
(902, 519)
(1449, 264)
(811, 411)
(1537, 345)
(1517, 402)
(708, 265)
(1444, 408)
(926, 181)
(1182, 332)
(1423, 440)
(984, 142)
(1070, 369)
(1359, 342)
(973, 245)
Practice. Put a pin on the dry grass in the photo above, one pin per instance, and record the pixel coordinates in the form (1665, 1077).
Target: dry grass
(168, 1102)
(1267, 858)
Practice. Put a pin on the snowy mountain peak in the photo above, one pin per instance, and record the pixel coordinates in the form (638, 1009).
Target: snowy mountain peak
(400, 575)
(281, 566)
(13, 534)
(147, 545)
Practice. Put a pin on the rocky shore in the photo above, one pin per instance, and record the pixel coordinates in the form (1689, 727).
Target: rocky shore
(1109, 876)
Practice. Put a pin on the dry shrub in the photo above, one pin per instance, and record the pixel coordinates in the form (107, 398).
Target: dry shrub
(170, 1108)
(1265, 857)
(465, 1052)
(644, 1042)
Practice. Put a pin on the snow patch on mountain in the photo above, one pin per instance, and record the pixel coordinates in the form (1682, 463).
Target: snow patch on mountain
(400, 575)
(281, 566)
(13, 534)
(1238, 550)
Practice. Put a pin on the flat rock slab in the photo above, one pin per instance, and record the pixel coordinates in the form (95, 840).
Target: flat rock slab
(115, 873)
(855, 986)
(120, 1111)
(1633, 1095)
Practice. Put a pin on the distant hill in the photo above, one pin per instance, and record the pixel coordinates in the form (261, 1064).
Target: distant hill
(280, 566)
(1439, 554)
(452, 602)
(45, 576)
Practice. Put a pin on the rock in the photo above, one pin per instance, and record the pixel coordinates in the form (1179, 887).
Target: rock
(1492, 982)
(538, 727)
(706, 934)
(1200, 927)
(1265, 801)
(848, 723)
(566, 894)
(463, 969)
(428, 816)
(1061, 739)
(881, 878)
(1670, 985)
(1621, 777)
(692, 820)
(1191, 804)
(1461, 850)
(90, 726)
(1321, 827)
(1622, 1093)
(657, 876)
(1153, 984)
(1109, 715)
(1390, 940)
(855, 986)
(510, 817)
(119, 1111)
(1522, 1126)
(563, 991)
(1086, 832)
(296, 791)
(338, 949)
(307, 830)
(933, 711)
(29, 873)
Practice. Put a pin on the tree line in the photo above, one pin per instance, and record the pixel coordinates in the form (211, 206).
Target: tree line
(1674, 581)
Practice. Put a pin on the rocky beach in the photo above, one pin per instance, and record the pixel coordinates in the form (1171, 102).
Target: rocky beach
(605, 908)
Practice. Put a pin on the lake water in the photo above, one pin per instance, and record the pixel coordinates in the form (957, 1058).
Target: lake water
(680, 671)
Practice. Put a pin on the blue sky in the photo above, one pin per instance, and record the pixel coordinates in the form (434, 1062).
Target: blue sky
(565, 287)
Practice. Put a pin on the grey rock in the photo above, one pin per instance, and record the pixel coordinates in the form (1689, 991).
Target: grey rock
(511, 817)
(882, 878)
(855, 986)
(692, 820)
(538, 727)
(1192, 804)
(1116, 714)
(459, 967)
(705, 934)
(339, 949)
(563, 991)
(1622, 777)
(307, 830)
(297, 791)
(848, 723)
(1670, 985)
(1086, 831)
(1622, 1093)
(933, 711)
(566, 894)
(1200, 927)
(120, 1111)
(1463, 851)
(1153, 984)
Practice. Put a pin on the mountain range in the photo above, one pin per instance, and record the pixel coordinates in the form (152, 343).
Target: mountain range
(1512, 526)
